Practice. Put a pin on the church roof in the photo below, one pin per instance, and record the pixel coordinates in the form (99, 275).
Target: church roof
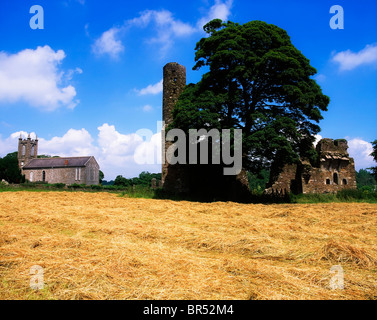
(67, 162)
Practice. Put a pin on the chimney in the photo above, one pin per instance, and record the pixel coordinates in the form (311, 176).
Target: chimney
(66, 162)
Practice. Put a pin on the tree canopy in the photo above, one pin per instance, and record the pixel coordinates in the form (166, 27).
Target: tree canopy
(9, 170)
(259, 82)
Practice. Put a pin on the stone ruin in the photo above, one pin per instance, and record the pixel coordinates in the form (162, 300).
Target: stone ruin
(333, 171)
(198, 180)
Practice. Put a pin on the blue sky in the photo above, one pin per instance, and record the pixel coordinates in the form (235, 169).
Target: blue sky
(88, 81)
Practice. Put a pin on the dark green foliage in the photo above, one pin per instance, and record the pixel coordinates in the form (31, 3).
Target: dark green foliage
(257, 182)
(107, 183)
(260, 83)
(101, 176)
(58, 185)
(374, 155)
(144, 179)
(121, 181)
(77, 186)
(365, 179)
(9, 170)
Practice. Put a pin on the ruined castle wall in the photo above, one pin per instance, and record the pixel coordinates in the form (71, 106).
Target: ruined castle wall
(330, 177)
(285, 180)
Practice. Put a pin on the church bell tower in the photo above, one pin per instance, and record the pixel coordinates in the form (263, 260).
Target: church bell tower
(27, 150)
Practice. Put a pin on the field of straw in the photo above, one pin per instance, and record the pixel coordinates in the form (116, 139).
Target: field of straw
(103, 246)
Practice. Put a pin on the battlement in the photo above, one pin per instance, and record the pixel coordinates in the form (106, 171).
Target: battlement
(330, 146)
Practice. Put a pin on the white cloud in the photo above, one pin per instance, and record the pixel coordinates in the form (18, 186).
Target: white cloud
(147, 108)
(317, 138)
(112, 142)
(118, 151)
(165, 26)
(33, 76)
(360, 150)
(74, 143)
(151, 89)
(149, 152)
(109, 44)
(349, 60)
(220, 10)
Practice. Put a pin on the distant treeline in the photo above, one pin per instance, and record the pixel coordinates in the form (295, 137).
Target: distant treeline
(144, 179)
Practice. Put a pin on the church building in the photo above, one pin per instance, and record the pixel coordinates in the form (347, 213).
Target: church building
(67, 170)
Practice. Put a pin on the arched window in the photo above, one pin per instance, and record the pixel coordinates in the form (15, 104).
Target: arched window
(328, 181)
(336, 178)
(23, 150)
(44, 176)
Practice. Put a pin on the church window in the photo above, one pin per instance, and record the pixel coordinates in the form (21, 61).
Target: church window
(78, 174)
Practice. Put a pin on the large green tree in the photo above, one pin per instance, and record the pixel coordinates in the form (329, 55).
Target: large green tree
(259, 82)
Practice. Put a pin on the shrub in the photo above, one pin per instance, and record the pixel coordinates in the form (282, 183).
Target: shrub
(58, 185)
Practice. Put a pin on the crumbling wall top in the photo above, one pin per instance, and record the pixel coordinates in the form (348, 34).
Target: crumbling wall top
(330, 146)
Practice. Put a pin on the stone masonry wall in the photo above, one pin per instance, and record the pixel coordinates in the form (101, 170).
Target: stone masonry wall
(89, 175)
(174, 177)
(334, 171)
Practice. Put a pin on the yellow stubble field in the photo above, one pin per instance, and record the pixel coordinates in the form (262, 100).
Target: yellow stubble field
(103, 246)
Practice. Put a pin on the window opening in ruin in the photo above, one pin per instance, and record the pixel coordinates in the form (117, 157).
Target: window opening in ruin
(335, 178)
(345, 182)
(44, 176)
(23, 150)
(175, 80)
(327, 181)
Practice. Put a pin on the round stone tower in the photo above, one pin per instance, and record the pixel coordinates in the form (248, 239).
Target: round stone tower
(174, 81)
